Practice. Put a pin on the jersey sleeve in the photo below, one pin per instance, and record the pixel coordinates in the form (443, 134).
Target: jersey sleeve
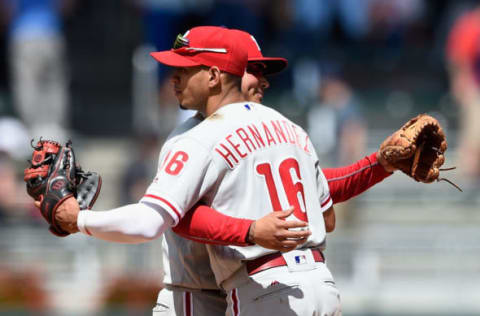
(323, 190)
(349, 181)
(185, 173)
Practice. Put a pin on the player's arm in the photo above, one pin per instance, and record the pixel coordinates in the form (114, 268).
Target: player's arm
(329, 218)
(206, 225)
(133, 223)
(349, 181)
(142, 222)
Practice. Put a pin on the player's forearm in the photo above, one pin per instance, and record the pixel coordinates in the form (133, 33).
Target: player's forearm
(134, 223)
(206, 225)
(349, 181)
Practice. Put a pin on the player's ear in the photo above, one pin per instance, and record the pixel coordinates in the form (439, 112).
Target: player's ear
(213, 76)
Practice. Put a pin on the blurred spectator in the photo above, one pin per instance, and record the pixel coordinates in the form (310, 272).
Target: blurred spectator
(336, 125)
(463, 56)
(306, 80)
(338, 132)
(37, 60)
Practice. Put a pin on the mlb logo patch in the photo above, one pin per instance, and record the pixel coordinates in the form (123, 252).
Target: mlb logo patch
(302, 259)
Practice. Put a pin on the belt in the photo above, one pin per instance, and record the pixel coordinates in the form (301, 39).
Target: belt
(276, 260)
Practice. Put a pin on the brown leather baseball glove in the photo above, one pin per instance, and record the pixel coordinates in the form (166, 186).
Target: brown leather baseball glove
(53, 176)
(417, 149)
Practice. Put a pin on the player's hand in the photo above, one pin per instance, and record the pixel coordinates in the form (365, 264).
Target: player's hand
(273, 231)
(384, 163)
(66, 214)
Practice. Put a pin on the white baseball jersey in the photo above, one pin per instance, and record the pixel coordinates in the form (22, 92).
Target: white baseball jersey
(245, 160)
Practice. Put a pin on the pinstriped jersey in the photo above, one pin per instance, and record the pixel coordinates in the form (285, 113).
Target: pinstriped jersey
(245, 160)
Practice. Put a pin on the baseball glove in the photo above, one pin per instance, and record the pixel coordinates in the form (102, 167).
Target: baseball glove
(417, 149)
(53, 176)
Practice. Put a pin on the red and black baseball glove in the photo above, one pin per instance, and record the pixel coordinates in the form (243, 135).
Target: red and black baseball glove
(53, 176)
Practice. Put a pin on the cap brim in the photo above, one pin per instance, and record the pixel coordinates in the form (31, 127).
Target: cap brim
(173, 59)
(273, 64)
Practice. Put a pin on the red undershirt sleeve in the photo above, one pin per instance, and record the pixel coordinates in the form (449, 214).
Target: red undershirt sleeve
(206, 225)
(347, 182)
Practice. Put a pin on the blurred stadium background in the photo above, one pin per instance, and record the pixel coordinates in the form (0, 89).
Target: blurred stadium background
(358, 69)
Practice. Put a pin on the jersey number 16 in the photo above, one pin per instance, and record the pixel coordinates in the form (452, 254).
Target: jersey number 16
(292, 190)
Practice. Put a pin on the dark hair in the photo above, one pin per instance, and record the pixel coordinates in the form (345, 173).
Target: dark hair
(237, 81)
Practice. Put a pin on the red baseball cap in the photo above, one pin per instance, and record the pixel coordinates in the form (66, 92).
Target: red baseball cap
(272, 64)
(207, 46)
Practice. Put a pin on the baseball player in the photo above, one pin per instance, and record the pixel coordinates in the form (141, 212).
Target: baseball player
(201, 165)
(344, 184)
(253, 159)
(169, 206)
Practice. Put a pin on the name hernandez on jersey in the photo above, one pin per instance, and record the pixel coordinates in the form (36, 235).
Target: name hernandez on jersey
(245, 160)
(253, 137)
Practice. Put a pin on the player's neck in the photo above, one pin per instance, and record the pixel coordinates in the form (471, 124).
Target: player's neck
(217, 101)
